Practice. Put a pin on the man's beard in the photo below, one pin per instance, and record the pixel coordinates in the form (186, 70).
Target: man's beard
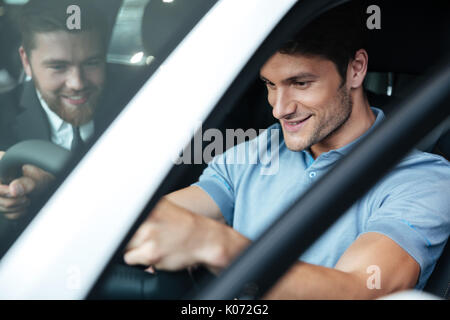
(75, 115)
(330, 125)
(346, 106)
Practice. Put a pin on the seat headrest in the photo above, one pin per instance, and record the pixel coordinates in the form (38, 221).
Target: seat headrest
(413, 36)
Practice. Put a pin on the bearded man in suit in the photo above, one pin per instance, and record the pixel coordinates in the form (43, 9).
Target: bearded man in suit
(65, 69)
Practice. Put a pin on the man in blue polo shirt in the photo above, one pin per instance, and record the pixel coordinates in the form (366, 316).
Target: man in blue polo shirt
(397, 230)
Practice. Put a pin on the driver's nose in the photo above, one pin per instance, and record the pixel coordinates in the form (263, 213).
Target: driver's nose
(75, 80)
(282, 104)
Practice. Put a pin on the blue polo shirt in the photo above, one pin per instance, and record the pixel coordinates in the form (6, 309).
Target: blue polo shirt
(254, 182)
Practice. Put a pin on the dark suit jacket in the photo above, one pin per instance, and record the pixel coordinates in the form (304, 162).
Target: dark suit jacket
(22, 117)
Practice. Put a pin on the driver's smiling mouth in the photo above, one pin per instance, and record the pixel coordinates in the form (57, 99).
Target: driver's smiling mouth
(78, 99)
(294, 125)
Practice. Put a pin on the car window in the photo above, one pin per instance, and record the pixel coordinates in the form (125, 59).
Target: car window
(141, 34)
(155, 122)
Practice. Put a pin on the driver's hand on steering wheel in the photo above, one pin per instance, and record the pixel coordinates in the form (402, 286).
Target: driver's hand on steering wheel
(14, 198)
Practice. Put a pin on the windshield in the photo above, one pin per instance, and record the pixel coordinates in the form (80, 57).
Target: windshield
(67, 70)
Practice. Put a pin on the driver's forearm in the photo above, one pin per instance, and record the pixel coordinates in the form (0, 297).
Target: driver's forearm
(221, 245)
(302, 281)
(310, 282)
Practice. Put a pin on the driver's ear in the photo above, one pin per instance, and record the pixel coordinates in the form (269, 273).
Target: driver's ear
(357, 69)
(25, 61)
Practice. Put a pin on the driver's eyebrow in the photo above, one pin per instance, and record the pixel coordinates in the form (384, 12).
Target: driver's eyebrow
(303, 76)
(263, 79)
(50, 62)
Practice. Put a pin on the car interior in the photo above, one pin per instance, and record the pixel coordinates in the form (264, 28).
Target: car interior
(413, 38)
(388, 81)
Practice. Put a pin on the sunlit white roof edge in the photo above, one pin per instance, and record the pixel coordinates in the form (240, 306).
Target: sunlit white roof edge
(62, 252)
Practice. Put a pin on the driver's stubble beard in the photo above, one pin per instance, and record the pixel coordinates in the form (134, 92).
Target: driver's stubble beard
(75, 115)
(346, 105)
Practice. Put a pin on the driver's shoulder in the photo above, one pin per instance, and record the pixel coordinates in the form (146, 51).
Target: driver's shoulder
(419, 176)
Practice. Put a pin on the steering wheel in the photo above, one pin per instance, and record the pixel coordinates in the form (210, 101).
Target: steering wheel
(119, 281)
(42, 154)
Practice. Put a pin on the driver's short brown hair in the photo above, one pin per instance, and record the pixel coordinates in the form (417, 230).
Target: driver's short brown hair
(42, 16)
(335, 35)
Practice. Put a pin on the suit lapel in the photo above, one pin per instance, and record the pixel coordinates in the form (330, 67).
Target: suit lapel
(32, 122)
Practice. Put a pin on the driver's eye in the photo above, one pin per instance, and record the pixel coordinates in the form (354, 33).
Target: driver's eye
(58, 67)
(268, 84)
(302, 84)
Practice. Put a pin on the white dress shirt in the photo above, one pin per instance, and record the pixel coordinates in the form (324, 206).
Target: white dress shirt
(61, 131)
